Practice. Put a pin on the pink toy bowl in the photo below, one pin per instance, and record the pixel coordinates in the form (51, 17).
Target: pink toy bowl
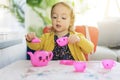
(79, 66)
(36, 40)
(62, 41)
(67, 62)
(108, 63)
(40, 58)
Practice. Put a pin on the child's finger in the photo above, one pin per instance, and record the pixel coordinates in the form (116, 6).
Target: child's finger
(73, 39)
(28, 38)
(32, 35)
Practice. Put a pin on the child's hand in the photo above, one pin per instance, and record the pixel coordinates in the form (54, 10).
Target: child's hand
(30, 36)
(73, 38)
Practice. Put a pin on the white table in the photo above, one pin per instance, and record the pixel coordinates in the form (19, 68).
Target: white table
(23, 70)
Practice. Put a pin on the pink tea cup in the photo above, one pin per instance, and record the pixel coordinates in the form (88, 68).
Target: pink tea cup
(62, 41)
(79, 66)
(108, 63)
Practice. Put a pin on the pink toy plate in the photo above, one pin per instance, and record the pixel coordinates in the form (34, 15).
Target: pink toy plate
(67, 62)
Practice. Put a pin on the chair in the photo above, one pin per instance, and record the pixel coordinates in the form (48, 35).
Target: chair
(91, 33)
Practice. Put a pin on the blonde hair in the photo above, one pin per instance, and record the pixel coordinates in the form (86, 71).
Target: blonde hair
(72, 16)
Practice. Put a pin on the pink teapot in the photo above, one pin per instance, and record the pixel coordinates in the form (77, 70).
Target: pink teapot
(40, 58)
(62, 41)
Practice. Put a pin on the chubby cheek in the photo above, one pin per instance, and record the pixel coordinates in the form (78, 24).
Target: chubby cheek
(66, 24)
(53, 22)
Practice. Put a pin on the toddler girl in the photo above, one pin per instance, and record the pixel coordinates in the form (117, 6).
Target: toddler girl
(62, 16)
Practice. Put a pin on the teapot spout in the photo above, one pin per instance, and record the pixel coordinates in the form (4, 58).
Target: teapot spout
(33, 61)
(30, 54)
(50, 56)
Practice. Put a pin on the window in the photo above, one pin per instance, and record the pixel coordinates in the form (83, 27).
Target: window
(91, 11)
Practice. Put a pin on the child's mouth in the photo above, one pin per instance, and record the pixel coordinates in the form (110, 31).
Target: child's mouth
(58, 25)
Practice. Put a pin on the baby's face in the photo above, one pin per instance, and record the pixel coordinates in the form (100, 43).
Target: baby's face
(60, 18)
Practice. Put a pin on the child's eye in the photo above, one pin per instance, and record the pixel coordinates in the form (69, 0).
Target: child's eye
(54, 17)
(63, 18)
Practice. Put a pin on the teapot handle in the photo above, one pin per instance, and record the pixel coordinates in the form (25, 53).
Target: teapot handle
(50, 55)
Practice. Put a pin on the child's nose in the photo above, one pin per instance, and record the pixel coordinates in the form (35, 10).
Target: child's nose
(58, 19)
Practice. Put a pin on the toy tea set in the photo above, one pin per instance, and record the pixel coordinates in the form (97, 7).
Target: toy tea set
(42, 58)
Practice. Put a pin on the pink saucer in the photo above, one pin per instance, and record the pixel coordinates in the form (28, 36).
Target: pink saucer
(67, 62)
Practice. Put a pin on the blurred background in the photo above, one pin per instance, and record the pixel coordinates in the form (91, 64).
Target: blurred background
(34, 15)
(12, 19)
